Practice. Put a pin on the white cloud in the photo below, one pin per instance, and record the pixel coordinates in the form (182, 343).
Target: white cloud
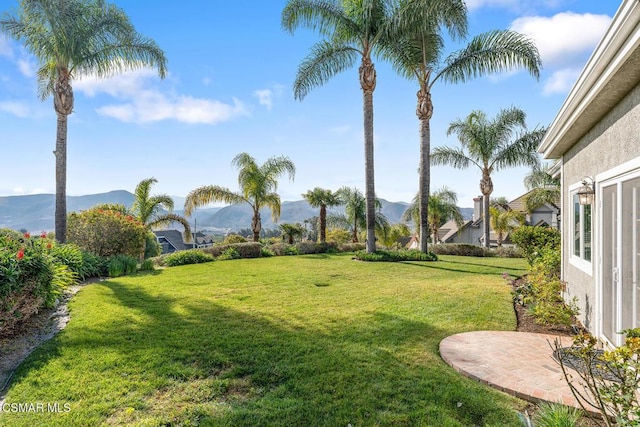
(18, 109)
(265, 97)
(145, 103)
(27, 68)
(154, 107)
(5, 48)
(561, 81)
(20, 191)
(565, 38)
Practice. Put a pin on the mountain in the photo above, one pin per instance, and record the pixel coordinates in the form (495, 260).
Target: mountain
(35, 213)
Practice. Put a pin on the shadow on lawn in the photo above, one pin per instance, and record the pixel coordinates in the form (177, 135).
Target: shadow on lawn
(372, 369)
(490, 270)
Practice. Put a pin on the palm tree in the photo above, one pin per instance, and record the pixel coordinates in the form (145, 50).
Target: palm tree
(490, 145)
(147, 208)
(396, 231)
(353, 29)
(258, 186)
(442, 208)
(70, 39)
(416, 54)
(321, 198)
(355, 216)
(544, 188)
(290, 231)
(503, 221)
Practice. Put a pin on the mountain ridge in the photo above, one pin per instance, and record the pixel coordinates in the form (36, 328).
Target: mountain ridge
(36, 212)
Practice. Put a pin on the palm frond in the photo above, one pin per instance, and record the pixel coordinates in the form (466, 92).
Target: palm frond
(209, 194)
(451, 156)
(323, 15)
(521, 152)
(541, 196)
(492, 52)
(170, 218)
(272, 201)
(325, 61)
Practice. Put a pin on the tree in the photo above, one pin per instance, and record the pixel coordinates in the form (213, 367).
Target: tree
(321, 198)
(544, 188)
(70, 39)
(355, 216)
(442, 208)
(490, 145)
(416, 54)
(396, 231)
(504, 221)
(147, 208)
(291, 231)
(258, 186)
(353, 29)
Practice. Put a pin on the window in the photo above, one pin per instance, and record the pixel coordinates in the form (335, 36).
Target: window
(581, 230)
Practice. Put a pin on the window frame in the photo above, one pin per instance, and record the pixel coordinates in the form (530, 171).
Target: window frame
(579, 261)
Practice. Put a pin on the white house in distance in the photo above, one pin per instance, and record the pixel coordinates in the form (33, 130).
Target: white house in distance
(596, 138)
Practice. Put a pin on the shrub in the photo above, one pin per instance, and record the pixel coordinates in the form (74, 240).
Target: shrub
(316, 248)
(106, 232)
(245, 250)
(266, 252)
(146, 265)
(395, 256)
(535, 241)
(351, 247)
(461, 249)
(229, 253)
(233, 238)
(120, 265)
(151, 246)
(191, 256)
(70, 255)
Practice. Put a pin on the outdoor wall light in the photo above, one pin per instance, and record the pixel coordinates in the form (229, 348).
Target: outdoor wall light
(586, 193)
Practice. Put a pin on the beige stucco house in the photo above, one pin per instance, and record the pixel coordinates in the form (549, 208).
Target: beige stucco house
(596, 138)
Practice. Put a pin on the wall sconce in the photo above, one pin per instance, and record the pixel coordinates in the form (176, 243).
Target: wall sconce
(586, 193)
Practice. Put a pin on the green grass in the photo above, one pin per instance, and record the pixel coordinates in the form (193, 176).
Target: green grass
(299, 341)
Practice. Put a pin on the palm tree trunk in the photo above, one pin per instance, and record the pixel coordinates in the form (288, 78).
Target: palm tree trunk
(63, 101)
(486, 188)
(323, 224)
(61, 179)
(424, 111)
(368, 84)
(256, 225)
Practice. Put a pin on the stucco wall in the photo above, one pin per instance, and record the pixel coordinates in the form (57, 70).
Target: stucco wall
(613, 141)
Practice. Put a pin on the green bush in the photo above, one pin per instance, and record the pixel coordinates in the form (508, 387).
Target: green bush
(266, 252)
(535, 241)
(151, 246)
(316, 248)
(395, 256)
(146, 265)
(191, 256)
(106, 232)
(233, 238)
(245, 249)
(351, 247)
(461, 249)
(228, 254)
(121, 265)
(30, 278)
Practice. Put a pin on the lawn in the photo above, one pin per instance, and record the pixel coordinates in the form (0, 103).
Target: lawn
(299, 341)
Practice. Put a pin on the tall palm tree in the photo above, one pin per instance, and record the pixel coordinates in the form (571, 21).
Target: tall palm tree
(71, 39)
(504, 221)
(490, 145)
(417, 53)
(258, 186)
(355, 216)
(321, 198)
(353, 30)
(544, 188)
(442, 208)
(147, 208)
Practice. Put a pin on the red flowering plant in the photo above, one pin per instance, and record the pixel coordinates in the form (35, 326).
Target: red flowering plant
(29, 277)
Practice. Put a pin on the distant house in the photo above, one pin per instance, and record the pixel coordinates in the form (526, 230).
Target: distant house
(472, 231)
(596, 139)
(172, 241)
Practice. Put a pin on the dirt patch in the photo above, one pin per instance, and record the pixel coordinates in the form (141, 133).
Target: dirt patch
(30, 334)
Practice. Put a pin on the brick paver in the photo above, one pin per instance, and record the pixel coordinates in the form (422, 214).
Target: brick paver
(517, 363)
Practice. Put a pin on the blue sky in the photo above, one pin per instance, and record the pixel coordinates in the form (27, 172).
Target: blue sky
(229, 90)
